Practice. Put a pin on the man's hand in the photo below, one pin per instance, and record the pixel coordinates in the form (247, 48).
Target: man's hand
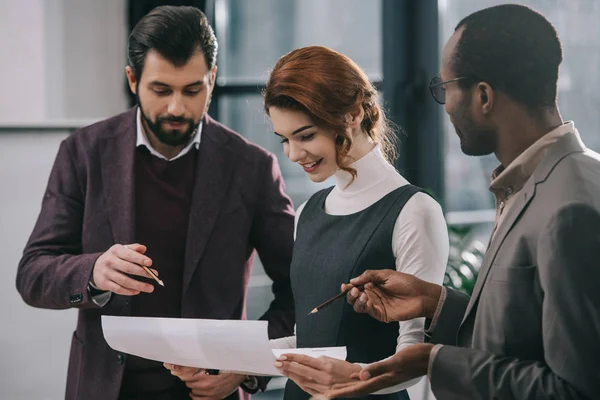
(409, 363)
(315, 375)
(388, 295)
(206, 386)
(113, 266)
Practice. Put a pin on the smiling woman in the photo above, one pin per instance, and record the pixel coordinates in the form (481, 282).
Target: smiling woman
(335, 101)
(306, 144)
(326, 113)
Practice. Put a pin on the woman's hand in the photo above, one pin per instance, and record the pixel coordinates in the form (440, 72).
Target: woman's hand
(316, 375)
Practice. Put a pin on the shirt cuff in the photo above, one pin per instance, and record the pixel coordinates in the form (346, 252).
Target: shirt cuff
(438, 311)
(432, 356)
(99, 297)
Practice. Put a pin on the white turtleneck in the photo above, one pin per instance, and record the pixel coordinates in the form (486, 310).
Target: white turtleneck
(419, 240)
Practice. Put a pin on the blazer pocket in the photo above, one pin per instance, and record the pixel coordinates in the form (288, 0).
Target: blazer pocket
(74, 371)
(500, 273)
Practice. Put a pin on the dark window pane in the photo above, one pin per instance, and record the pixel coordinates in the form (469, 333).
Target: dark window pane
(254, 34)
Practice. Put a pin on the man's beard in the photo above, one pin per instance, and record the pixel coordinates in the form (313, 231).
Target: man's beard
(474, 140)
(170, 137)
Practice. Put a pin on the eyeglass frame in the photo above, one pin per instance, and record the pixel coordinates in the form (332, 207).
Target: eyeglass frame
(436, 84)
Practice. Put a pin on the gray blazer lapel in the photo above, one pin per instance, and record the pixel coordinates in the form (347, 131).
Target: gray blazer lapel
(514, 212)
(214, 170)
(568, 144)
(117, 165)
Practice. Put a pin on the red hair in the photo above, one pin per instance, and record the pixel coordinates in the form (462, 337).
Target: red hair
(327, 86)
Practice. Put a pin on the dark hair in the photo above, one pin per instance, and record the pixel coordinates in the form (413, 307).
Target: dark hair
(514, 49)
(327, 85)
(176, 33)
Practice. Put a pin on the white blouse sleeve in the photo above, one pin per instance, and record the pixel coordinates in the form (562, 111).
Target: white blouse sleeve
(421, 246)
(297, 218)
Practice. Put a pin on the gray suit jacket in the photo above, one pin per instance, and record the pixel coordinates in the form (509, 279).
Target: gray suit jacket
(531, 329)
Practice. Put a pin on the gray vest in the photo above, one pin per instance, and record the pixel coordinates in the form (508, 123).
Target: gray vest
(330, 250)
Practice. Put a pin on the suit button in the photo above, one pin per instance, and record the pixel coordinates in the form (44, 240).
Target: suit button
(121, 359)
(126, 303)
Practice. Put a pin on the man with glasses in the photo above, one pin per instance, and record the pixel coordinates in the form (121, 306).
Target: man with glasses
(531, 328)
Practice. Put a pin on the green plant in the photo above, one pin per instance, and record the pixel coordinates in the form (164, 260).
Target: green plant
(465, 258)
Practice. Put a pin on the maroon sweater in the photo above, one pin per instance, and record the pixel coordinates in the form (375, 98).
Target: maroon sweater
(163, 195)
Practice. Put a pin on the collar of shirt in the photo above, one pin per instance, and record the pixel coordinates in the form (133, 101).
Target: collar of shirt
(371, 170)
(142, 140)
(509, 180)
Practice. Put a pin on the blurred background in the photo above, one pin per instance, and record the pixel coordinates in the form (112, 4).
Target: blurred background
(62, 64)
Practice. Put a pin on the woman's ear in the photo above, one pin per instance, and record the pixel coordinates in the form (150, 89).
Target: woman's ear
(355, 118)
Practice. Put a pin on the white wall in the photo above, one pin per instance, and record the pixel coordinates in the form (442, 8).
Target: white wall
(60, 60)
(23, 65)
(34, 343)
(86, 56)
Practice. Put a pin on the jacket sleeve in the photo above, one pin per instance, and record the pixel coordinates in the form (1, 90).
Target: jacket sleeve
(272, 235)
(445, 324)
(52, 272)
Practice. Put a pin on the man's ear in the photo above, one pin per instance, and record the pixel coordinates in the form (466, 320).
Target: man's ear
(212, 78)
(486, 97)
(131, 79)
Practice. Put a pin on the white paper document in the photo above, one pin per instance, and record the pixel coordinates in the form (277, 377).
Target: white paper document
(316, 352)
(227, 345)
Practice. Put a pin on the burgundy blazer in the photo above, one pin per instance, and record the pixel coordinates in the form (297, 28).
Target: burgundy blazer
(238, 206)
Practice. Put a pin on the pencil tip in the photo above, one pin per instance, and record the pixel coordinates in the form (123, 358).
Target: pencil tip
(314, 311)
(161, 283)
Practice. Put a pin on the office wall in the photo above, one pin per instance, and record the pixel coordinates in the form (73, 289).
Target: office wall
(33, 343)
(23, 63)
(61, 60)
(85, 52)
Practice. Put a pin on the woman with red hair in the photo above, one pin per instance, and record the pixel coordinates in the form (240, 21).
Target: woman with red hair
(327, 114)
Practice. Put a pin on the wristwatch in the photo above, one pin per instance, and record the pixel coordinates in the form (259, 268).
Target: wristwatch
(250, 384)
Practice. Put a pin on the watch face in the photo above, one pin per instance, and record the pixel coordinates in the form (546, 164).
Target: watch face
(250, 384)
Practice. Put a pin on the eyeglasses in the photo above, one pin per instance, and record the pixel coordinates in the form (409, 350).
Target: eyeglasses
(437, 89)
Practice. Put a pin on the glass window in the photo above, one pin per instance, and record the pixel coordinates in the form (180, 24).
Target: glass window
(254, 34)
(467, 178)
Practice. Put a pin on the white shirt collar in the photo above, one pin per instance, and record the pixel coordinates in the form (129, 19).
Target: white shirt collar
(142, 140)
(371, 169)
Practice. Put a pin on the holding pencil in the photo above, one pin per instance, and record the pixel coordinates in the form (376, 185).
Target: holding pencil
(116, 270)
(341, 295)
(148, 271)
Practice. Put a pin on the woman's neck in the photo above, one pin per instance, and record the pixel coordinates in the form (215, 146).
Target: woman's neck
(361, 146)
(371, 169)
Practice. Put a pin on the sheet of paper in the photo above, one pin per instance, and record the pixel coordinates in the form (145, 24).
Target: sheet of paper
(316, 352)
(227, 345)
